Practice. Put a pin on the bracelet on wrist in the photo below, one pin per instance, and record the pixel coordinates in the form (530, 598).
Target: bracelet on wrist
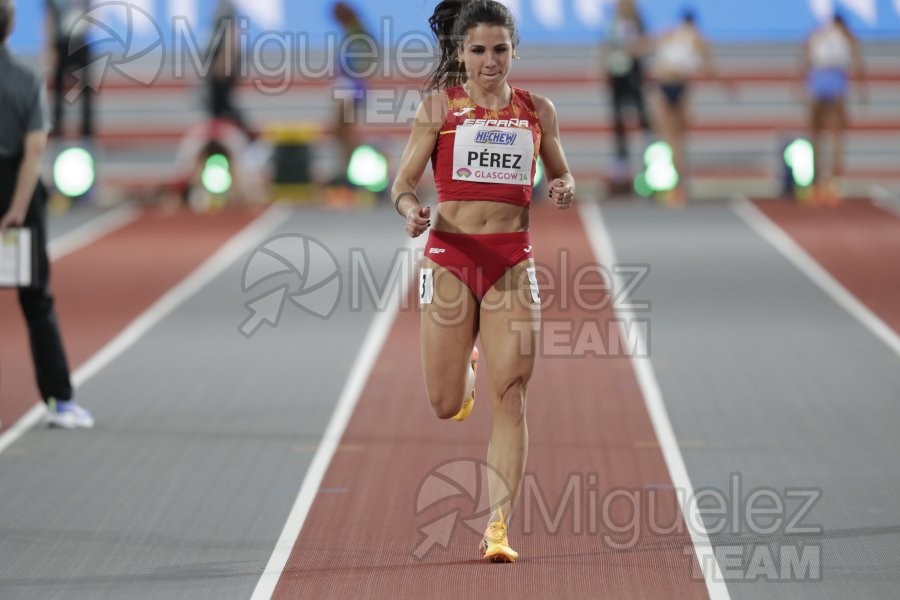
(399, 196)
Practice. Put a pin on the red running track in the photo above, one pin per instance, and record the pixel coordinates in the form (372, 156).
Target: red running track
(857, 242)
(586, 417)
(104, 286)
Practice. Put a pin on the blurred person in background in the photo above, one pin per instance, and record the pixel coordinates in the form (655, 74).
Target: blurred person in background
(69, 57)
(679, 55)
(621, 56)
(24, 125)
(245, 160)
(226, 56)
(354, 65)
(831, 55)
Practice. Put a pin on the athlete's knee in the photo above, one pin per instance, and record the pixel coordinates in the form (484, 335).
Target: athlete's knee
(511, 402)
(444, 405)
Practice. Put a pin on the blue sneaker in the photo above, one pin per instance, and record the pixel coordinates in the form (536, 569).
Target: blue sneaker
(68, 414)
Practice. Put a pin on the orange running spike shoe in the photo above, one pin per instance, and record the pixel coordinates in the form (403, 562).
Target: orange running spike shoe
(469, 403)
(495, 543)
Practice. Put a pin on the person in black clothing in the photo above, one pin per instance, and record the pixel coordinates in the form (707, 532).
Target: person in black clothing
(622, 51)
(71, 53)
(23, 138)
(225, 55)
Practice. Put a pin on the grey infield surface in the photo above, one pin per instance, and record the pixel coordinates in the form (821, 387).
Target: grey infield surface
(72, 220)
(203, 438)
(765, 377)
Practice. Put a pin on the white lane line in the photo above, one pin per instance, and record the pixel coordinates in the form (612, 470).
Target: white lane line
(234, 249)
(792, 251)
(365, 361)
(884, 199)
(598, 234)
(92, 231)
(31, 418)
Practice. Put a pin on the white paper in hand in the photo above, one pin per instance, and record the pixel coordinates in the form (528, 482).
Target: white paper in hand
(15, 258)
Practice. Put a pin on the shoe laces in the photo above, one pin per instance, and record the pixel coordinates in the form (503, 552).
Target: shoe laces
(496, 532)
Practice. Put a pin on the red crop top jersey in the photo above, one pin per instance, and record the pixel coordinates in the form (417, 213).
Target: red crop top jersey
(486, 154)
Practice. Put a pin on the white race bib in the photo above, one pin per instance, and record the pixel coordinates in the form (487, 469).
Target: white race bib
(426, 286)
(533, 283)
(492, 154)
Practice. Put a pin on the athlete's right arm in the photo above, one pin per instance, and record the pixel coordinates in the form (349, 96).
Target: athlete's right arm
(422, 140)
(708, 64)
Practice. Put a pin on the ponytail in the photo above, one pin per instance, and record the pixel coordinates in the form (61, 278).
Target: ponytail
(841, 22)
(449, 71)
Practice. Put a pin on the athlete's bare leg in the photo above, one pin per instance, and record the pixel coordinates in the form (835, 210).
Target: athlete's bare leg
(345, 130)
(510, 323)
(663, 117)
(448, 330)
(837, 124)
(679, 121)
(671, 129)
(817, 112)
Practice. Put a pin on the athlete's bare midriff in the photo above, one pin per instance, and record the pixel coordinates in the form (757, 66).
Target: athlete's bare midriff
(480, 216)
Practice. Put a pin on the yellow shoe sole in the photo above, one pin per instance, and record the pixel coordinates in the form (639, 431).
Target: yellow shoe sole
(466, 409)
(469, 403)
(498, 553)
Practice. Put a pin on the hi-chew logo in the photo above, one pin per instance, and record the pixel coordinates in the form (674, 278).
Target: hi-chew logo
(496, 137)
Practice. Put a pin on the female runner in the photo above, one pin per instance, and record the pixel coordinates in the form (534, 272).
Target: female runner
(483, 138)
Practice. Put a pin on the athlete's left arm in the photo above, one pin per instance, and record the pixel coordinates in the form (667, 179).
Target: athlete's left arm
(858, 68)
(562, 184)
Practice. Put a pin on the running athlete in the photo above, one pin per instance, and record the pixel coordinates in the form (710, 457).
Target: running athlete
(830, 55)
(354, 66)
(483, 138)
(680, 54)
(622, 54)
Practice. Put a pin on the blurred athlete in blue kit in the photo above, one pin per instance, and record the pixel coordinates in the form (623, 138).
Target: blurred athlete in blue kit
(831, 55)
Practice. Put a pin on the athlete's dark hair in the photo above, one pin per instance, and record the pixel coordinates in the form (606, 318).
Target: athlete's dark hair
(839, 20)
(7, 10)
(451, 21)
